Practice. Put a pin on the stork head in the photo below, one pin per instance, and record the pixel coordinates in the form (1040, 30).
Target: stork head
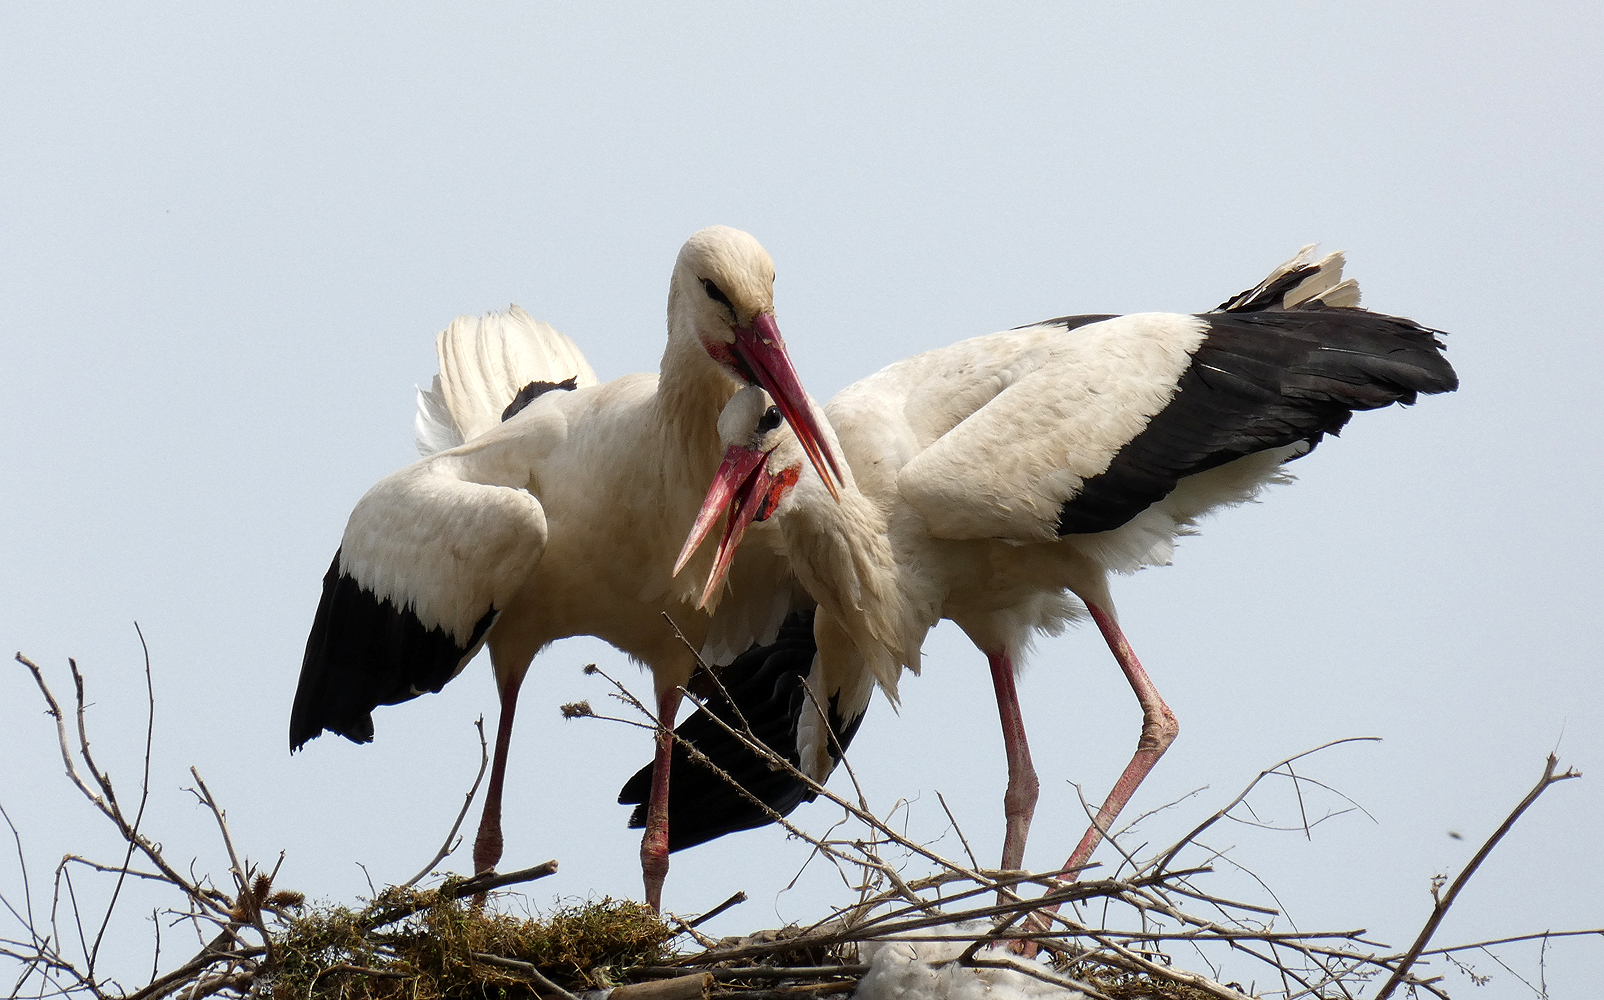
(723, 287)
(762, 466)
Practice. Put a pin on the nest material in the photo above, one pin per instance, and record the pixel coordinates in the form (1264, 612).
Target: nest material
(426, 944)
(443, 947)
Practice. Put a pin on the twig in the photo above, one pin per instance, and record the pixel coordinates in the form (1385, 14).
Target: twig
(741, 973)
(1539, 936)
(1164, 860)
(957, 829)
(1037, 972)
(529, 970)
(467, 801)
(144, 797)
(1441, 908)
(735, 900)
(248, 909)
(489, 881)
(107, 806)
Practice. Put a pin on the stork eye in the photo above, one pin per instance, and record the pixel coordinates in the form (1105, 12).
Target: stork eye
(717, 294)
(769, 420)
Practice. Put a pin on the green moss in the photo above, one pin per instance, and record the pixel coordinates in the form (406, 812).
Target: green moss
(408, 945)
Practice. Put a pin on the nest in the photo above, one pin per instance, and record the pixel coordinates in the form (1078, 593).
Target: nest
(955, 919)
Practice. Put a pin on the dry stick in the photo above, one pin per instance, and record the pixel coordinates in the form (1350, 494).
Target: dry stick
(146, 847)
(27, 892)
(1037, 972)
(1126, 958)
(1121, 955)
(767, 752)
(840, 751)
(1441, 908)
(1139, 817)
(485, 883)
(694, 986)
(957, 829)
(738, 898)
(1218, 901)
(213, 951)
(249, 907)
(1163, 861)
(748, 736)
(529, 970)
(711, 673)
(1233, 937)
(100, 866)
(156, 950)
(740, 973)
(1071, 891)
(144, 797)
(77, 913)
(467, 801)
(1544, 935)
(1107, 837)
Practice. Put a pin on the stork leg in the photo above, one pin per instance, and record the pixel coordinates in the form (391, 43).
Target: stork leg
(1019, 801)
(487, 846)
(1158, 732)
(654, 844)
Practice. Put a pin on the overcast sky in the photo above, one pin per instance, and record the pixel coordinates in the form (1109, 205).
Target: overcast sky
(228, 237)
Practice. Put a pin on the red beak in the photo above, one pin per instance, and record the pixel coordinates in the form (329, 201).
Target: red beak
(741, 485)
(762, 351)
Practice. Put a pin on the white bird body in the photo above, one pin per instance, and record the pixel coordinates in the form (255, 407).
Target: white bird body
(999, 481)
(561, 519)
(507, 519)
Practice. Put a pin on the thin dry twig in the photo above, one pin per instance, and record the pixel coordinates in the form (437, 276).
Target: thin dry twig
(451, 842)
(1164, 860)
(235, 929)
(1440, 910)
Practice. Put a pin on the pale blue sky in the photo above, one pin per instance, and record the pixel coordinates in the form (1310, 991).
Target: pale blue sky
(227, 239)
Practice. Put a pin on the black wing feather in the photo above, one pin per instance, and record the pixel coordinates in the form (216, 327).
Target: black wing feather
(766, 685)
(363, 653)
(1263, 380)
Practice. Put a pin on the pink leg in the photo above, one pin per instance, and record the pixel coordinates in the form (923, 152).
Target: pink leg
(654, 845)
(1158, 732)
(1019, 801)
(487, 846)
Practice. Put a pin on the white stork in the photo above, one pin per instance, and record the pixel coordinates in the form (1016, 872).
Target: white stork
(563, 520)
(999, 481)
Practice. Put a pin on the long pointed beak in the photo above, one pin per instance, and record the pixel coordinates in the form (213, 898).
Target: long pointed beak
(732, 474)
(740, 486)
(761, 348)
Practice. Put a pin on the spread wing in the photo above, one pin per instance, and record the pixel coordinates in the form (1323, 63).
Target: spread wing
(1078, 425)
(429, 558)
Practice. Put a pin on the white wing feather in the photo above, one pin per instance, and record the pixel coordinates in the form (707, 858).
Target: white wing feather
(456, 534)
(484, 362)
(1046, 407)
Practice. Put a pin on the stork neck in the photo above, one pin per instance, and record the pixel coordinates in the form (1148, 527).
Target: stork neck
(691, 389)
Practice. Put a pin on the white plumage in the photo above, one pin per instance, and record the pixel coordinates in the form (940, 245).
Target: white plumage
(560, 520)
(999, 481)
(485, 361)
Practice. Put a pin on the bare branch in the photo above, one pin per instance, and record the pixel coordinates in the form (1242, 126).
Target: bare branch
(1440, 910)
(467, 801)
